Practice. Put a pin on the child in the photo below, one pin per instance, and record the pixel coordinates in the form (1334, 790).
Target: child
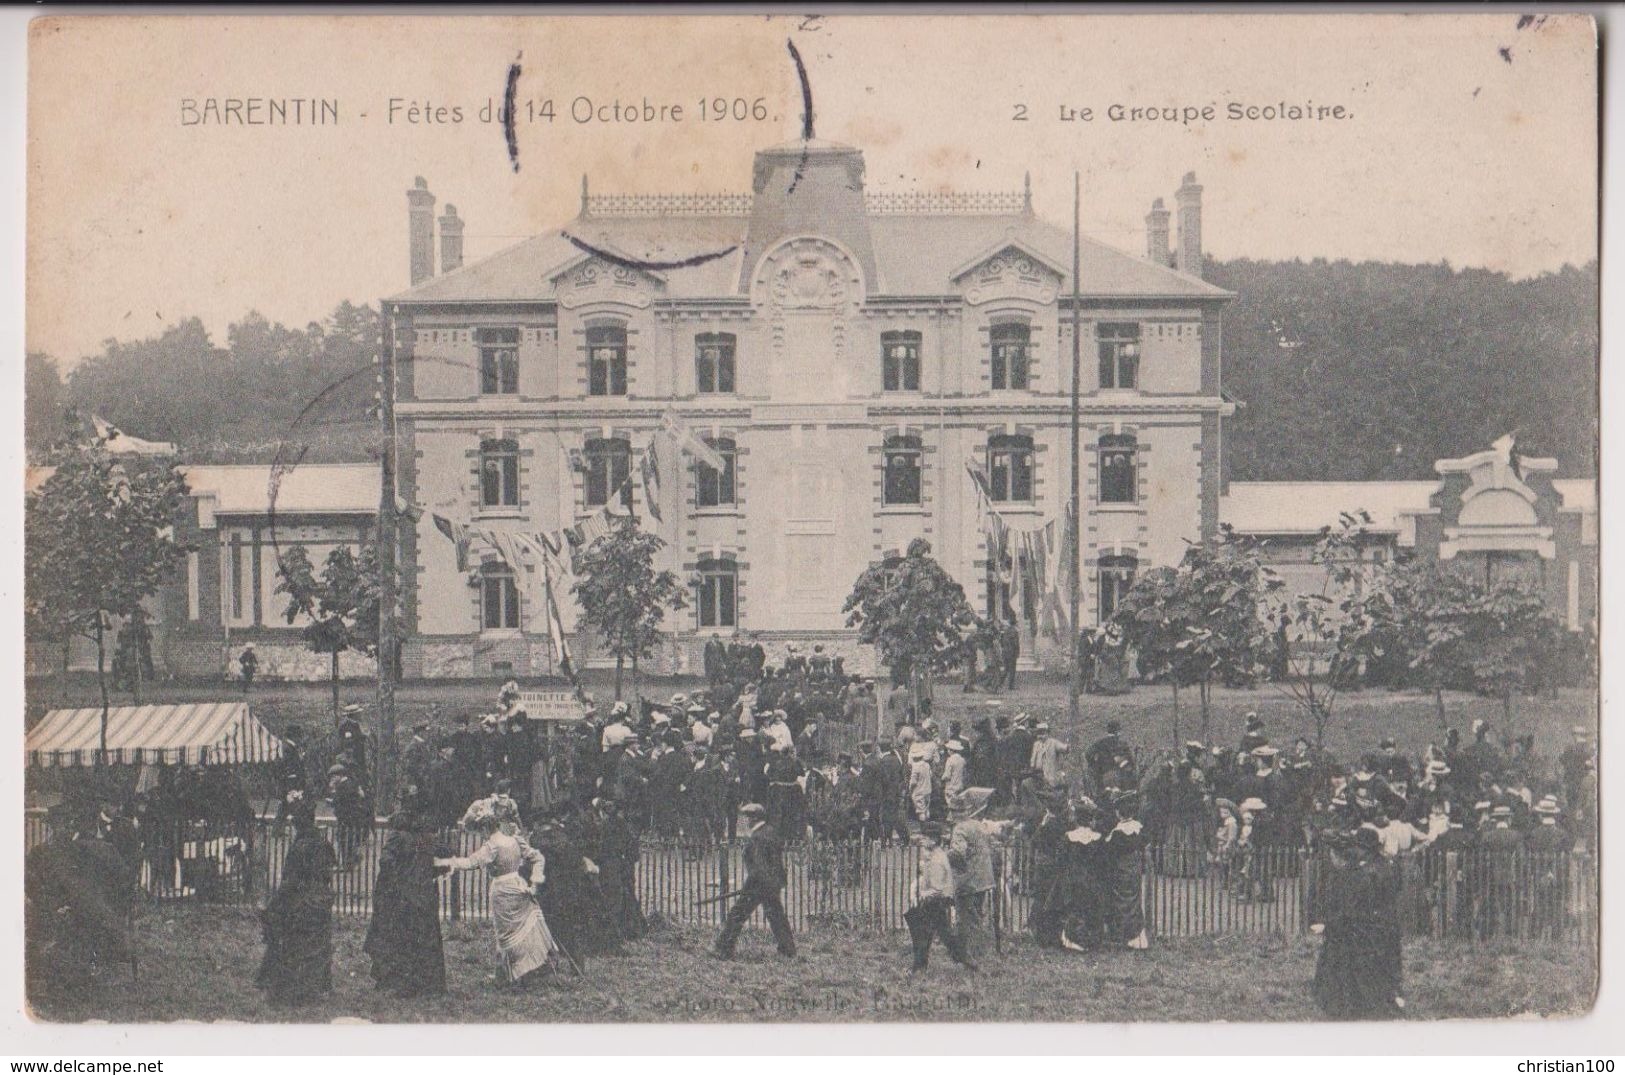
(933, 896)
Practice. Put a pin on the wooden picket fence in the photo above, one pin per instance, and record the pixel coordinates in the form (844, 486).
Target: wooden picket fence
(1469, 896)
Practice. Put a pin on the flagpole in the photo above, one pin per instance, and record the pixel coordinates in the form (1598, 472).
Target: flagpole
(1073, 513)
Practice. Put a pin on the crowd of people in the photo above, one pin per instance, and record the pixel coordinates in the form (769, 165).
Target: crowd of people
(780, 755)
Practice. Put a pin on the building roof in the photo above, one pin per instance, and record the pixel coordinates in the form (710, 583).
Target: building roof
(916, 254)
(1306, 507)
(1579, 494)
(335, 488)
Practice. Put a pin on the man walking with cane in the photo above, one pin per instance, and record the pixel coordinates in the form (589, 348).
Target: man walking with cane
(764, 880)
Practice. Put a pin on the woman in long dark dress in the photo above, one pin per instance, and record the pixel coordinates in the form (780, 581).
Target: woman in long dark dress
(1358, 973)
(403, 939)
(1121, 869)
(569, 894)
(298, 920)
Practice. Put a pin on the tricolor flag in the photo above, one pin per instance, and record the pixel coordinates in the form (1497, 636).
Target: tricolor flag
(651, 479)
(457, 533)
(688, 442)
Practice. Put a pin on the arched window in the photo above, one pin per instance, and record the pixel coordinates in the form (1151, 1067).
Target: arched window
(1119, 468)
(499, 361)
(714, 361)
(718, 596)
(1010, 468)
(1114, 577)
(1119, 344)
(903, 469)
(715, 488)
(499, 598)
(609, 465)
(606, 360)
(499, 473)
(1011, 343)
(900, 361)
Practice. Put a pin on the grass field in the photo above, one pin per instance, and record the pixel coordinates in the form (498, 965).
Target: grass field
(1360, 718)
(199, 964)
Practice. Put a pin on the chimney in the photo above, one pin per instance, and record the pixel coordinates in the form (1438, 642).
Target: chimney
(451, 239)
(1189, 199)
(1156, 233)
(420, 230)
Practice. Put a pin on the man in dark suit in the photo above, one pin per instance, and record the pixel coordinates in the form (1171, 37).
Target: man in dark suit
(764, 880)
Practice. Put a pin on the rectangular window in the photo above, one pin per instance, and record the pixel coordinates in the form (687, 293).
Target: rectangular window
(1010, 469)
(609, 465)
(499, 361)
(1119, 345)
(1115, 579)
(718, 597)
(1011, 343)
(903, 456)
(714, 362)
(500, 598)
(1119, 472)
(606, 360)
(900, 361)
(716, 488)
(236, 577)
(499, 474)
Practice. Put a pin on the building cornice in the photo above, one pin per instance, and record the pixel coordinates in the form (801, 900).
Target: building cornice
(1058, 406)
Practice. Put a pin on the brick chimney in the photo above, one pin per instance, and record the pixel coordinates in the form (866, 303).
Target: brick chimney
(1189, 199)
(1156, 234)
(420, 230)
(451, 239)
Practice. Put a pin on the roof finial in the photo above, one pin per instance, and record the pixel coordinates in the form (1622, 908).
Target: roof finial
(1027, 193)
(583, 193)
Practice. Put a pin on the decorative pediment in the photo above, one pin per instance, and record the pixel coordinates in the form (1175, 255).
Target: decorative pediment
(593, 279)
(808, 274)
(1012, 270)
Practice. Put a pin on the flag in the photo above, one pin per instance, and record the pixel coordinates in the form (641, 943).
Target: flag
(595, 527)
(651, 479)
(979, 480)
(688, 442)
(555, 625)
(457, 534)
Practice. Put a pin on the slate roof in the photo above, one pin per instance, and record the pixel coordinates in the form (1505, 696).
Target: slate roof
(916, 255)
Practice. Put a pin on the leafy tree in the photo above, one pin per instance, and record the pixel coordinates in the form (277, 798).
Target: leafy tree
(622, 596)
(1200, 622)
(340, 605)
(44, 403)
(912, 611)
(1329, 626)
(1510, 643)
(1437, 357)
(98, 539)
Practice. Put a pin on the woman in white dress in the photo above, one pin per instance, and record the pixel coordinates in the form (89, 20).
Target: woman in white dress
(522, 935)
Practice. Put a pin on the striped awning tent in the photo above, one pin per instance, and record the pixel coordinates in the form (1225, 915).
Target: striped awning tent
(198, 733)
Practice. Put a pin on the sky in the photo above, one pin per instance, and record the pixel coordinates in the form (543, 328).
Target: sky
(1462, 138)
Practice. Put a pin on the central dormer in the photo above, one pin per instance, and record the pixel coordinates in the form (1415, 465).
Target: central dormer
(808, 188)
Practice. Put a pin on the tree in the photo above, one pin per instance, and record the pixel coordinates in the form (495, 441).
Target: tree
(1200, 622)
(340, 605)
(1510, 643)
(99, 539)
(912, 611)
(44, 403)
(622, 596)
(1329, 626)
